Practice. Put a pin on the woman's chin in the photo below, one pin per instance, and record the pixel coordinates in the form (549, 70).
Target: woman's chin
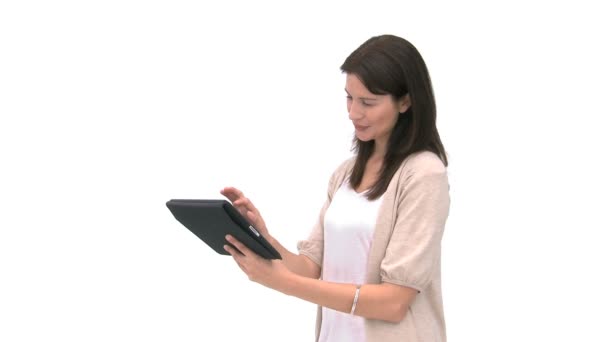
(362, 137)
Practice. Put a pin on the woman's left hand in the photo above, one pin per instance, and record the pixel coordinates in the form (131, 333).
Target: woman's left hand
(270, 273)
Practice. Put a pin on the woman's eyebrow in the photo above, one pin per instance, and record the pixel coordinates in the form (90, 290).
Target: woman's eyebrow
(363, 98)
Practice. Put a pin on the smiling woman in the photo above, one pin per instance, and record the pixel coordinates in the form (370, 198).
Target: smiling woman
(373, 115)
(372, 261)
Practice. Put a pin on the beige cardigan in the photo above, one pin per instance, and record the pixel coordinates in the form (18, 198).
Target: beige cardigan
(406, 246)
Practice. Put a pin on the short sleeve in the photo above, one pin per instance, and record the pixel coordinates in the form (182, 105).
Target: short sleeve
(414, 250)
(312, 247)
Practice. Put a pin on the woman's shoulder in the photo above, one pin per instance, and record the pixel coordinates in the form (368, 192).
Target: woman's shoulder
(346, 165)
(418, 164)
(341, 170)
(424, 167)
(423, 162)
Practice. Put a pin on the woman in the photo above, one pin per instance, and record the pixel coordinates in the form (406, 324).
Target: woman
(372, 260)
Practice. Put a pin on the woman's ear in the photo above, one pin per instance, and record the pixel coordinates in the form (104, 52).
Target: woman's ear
(405, 102)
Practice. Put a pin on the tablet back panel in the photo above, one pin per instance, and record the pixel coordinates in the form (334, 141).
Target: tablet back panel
(210, 222)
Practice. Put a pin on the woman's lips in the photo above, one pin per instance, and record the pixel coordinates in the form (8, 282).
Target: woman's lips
(360, 128)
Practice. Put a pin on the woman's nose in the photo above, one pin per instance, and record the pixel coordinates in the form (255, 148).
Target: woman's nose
(354, 112)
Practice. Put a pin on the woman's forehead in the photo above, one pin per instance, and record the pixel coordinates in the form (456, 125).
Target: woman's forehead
(354, 87)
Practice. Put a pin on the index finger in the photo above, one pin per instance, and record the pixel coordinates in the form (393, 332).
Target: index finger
(232, 193)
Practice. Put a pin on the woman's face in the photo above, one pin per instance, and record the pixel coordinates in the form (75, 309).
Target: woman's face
(373, 116)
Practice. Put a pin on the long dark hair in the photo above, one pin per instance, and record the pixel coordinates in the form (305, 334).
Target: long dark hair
(389, 64)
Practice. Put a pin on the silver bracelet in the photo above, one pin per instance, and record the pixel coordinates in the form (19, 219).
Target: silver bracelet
(352, 310)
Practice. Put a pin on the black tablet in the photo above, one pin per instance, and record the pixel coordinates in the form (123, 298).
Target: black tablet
(212, 219)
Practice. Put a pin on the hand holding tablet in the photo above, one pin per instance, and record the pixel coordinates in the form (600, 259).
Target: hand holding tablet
(246, 208)
(212, 219)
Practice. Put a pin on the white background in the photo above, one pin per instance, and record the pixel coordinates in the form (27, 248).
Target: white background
(110, 108)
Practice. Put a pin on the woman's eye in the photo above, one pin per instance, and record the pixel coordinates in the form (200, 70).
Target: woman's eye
(365, 104)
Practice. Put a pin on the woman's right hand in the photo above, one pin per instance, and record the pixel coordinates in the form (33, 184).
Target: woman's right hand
(247, 209)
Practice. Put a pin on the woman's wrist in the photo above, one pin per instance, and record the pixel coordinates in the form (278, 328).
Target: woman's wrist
(288, 283)
(274, 243)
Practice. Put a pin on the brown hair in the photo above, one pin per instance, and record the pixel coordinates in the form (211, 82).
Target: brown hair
(389, 64)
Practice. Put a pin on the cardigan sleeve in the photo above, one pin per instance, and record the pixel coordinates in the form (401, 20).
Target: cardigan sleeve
(414, 249)
(312, 247)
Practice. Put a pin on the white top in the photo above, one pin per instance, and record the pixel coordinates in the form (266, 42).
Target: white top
(349, 226)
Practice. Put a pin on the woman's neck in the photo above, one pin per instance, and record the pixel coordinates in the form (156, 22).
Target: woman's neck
(379, 151)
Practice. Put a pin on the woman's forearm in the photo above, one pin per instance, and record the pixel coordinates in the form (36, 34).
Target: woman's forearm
(295, 276)
(384, 301)
(296, 263)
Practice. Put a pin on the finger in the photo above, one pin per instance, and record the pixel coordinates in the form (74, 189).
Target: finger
(246, 203)
(235, 256)
(232, 193)
(240, 208)
(242, 268)
(240, 246)
(255, 219)
(231, 189)
(241, 205)
(230, 250)
(235, 253)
